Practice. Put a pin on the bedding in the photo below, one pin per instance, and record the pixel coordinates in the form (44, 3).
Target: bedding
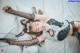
(57, 9)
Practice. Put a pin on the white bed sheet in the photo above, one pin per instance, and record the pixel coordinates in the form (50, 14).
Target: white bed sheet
(57, 9)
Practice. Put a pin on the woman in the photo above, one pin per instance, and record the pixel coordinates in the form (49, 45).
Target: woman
(42, 25)
(30, 43)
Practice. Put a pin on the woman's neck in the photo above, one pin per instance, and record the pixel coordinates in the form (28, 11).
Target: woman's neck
(46, 26)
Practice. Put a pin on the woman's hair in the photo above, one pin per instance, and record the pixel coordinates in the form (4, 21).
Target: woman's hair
(34, 33)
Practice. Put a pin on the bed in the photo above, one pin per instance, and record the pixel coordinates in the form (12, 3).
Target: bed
(57, 9)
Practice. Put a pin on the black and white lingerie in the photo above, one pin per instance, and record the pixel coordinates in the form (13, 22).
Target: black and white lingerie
(61, 29)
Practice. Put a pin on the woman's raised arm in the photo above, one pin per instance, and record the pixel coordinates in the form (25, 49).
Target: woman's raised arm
(25, 15)
(18, 13)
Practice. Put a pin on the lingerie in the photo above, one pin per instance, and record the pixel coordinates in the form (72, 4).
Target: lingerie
(54, 25)
(54, 22)
(63, 33)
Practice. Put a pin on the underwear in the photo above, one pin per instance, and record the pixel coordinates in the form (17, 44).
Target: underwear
(54, 22)
(63, 33)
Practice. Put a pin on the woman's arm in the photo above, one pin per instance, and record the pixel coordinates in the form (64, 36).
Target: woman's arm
(24, 43)
(25, 15)
(18, 13)
(28, 42)
(21, 43)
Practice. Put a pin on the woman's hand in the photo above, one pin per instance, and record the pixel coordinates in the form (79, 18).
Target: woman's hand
(6, 8)
(41, 38)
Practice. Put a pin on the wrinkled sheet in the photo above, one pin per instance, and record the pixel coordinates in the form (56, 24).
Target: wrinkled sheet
(57, 9)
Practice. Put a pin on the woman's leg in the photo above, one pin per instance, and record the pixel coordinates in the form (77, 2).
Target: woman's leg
(77, 25)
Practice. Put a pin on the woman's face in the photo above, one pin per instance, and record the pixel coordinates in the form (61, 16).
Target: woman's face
(37, 26)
